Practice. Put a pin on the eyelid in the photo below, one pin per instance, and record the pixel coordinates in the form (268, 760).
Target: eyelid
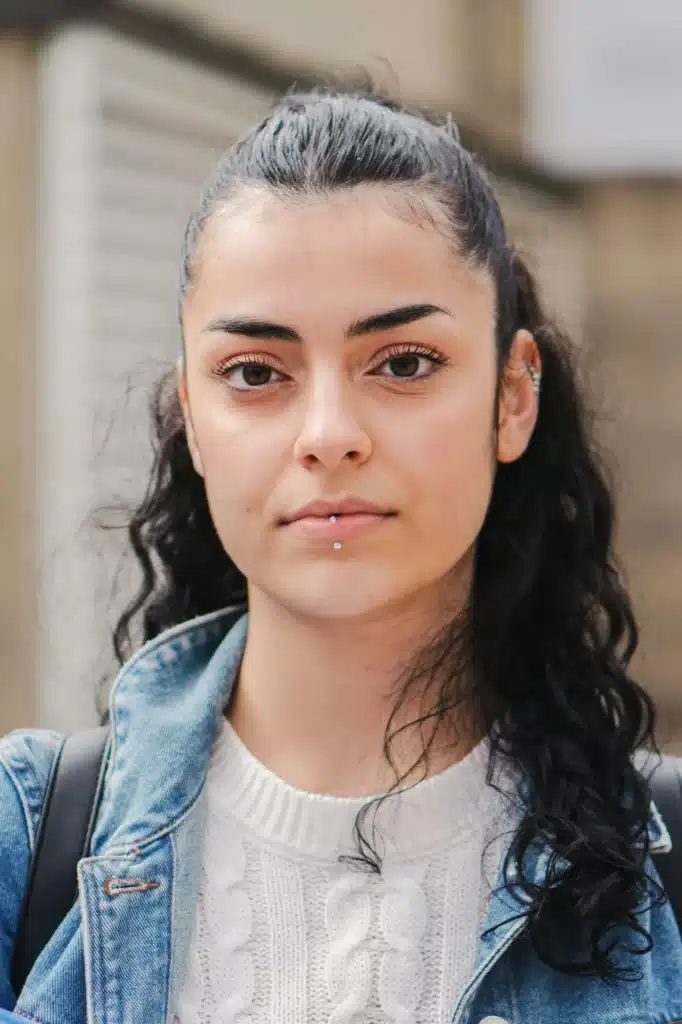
(242, 359)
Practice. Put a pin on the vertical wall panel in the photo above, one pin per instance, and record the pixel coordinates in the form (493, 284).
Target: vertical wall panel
(128, 136)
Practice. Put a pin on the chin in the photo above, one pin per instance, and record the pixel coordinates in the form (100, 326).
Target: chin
(335, 591)
(343, 604)
(346, 593)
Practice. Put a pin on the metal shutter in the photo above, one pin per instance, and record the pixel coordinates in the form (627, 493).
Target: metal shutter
(128, 135)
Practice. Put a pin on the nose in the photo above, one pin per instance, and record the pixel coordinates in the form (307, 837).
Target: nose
(331, 432)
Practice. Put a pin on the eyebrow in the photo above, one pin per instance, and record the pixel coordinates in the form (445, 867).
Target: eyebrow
(253, 327)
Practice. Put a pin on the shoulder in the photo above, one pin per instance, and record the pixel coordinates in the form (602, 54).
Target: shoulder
(649, 992)
(26, 760)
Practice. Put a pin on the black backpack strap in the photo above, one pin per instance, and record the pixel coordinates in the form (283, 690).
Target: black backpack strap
(666, 791)
(66, 824)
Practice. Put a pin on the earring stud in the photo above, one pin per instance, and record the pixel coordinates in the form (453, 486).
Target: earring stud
(535, 377)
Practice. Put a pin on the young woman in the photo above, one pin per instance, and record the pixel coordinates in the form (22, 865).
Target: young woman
(375, 761)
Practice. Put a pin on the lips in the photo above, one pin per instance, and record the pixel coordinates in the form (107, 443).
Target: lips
(334, 528)
(334, 520)
(349, 506)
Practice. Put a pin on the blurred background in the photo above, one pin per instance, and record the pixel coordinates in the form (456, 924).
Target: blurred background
(111, 116)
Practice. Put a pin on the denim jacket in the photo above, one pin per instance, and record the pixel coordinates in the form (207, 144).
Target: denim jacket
(119, 956)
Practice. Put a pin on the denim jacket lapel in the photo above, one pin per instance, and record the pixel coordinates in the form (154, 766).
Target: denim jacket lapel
(139, 889)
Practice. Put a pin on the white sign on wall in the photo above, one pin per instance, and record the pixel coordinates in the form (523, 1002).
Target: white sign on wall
(604, 86)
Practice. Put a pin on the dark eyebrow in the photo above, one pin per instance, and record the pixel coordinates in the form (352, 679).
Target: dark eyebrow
(393, 318)
(250, 327)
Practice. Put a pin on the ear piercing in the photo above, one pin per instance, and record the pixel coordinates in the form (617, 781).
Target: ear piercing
(535, 377)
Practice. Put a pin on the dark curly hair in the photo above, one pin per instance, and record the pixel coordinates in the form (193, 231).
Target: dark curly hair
(550, 631)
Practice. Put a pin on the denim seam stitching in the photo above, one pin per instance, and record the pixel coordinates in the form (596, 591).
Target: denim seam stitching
(171, 949)
(87, 946)
(23, 801)
(484, 969)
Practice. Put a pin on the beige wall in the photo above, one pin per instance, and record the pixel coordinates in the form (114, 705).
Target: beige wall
(423, 45)
(17, 273)
(634, 248)
(550, 234)
(495, 42)
(466, 56)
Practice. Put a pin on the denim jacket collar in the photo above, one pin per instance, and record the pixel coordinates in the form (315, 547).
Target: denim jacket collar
(165, 709)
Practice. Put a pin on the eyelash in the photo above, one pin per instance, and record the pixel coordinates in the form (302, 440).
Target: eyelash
(394, 352)
(234, 361)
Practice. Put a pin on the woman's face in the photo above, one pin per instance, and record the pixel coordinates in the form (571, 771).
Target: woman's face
(338, 352)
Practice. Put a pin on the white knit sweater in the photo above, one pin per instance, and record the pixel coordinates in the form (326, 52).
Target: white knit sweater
(285, 934)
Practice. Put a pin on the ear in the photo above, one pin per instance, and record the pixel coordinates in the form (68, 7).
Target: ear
(519, 398)
(187, 416)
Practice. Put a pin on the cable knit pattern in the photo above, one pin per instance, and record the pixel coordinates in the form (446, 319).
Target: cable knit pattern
(285, 934)
(221, 968)
(349, 969)
(404, 915)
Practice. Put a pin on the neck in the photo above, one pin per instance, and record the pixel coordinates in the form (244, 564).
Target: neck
(314, 698)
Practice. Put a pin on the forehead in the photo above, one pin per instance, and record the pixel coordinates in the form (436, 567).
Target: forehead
(364, 248)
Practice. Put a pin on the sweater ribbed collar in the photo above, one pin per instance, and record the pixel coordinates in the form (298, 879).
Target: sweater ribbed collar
(432, 813)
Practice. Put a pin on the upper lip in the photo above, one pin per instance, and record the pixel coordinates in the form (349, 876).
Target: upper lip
(337, 507)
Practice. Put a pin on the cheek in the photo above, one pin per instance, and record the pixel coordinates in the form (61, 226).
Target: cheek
(452, 458)
(240, 462)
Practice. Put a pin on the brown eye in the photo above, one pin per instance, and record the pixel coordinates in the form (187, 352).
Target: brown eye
(408, 365)
(255, 375)
(250, 375)
(404, 366)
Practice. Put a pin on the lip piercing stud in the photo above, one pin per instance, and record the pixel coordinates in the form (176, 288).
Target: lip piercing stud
(337, 543)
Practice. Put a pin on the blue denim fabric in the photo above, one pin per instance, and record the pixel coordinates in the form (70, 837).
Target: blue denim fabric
(119, 956)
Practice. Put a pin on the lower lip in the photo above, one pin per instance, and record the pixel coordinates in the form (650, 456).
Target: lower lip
(321, 528)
